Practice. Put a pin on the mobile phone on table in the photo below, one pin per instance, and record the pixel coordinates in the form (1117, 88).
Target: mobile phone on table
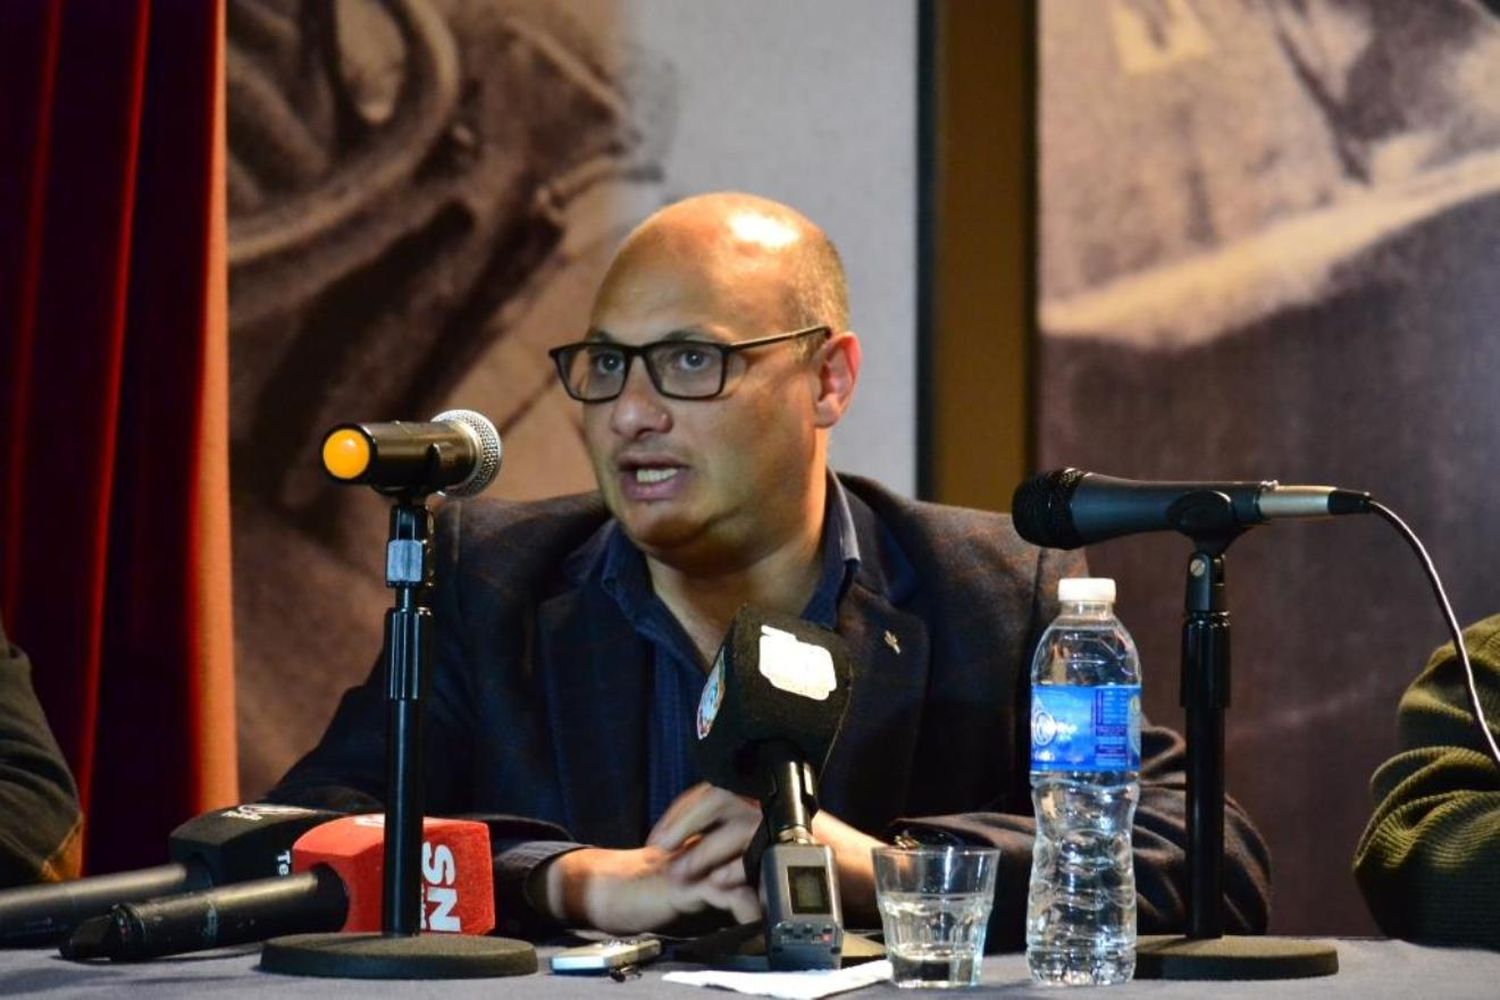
(606, 955)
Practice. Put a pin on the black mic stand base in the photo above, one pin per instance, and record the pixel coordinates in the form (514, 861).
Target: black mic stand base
(742, 948)
(381, 956)
(1171, 956)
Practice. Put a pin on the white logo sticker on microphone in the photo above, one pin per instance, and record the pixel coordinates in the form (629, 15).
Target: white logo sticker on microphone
(711, 698)
(257, 811)
(794, 666)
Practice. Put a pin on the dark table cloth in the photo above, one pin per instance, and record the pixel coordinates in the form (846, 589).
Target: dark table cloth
(1368, 968)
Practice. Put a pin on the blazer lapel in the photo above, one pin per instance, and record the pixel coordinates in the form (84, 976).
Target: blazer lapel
(596, 687)
(868, 771)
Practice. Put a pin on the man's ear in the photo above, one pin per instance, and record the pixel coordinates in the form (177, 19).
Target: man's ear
(838, 370)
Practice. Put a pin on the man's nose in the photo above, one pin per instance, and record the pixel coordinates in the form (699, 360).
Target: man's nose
(639, 408)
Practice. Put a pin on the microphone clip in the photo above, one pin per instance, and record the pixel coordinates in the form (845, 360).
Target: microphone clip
(1207, 517)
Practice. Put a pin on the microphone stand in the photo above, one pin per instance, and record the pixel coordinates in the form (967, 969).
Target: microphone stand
(1205, 952)
(401, 951)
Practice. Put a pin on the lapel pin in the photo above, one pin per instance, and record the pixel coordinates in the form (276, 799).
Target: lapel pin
(890, 640)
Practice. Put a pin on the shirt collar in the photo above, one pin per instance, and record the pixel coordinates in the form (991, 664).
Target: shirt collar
(612, 559)
(840, 557)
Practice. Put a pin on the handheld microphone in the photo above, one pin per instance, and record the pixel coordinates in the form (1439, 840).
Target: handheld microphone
(776, 680)
(456, 453)
(1067, 508)
(229, 845)
(769, 713)
(337, 887)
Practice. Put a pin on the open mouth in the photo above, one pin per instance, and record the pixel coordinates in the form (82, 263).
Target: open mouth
(651, 478)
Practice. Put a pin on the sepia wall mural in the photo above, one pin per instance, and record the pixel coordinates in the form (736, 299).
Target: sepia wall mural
(423, 194)
(1269, 239)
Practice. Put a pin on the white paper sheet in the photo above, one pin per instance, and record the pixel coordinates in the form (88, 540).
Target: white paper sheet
(791, 985)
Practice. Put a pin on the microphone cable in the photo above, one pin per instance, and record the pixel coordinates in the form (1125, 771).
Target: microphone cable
(1390, 517)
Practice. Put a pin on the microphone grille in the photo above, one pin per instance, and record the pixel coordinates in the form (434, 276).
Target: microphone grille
(1042, 510)
(487, 466)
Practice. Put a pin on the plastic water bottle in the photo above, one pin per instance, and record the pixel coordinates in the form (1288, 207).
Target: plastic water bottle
(1085, 764)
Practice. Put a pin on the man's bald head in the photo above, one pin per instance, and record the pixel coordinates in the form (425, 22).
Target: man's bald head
(744, 237)
(733, 478)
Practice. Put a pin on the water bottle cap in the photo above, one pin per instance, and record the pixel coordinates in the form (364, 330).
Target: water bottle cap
(1086, 590)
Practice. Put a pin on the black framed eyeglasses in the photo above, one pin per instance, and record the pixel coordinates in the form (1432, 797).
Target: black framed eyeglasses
(594, 371)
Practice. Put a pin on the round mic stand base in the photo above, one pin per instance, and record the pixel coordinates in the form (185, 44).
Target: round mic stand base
(380, 956)
(1168, 956)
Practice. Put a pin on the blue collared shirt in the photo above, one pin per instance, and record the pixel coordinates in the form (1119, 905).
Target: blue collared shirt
(678, 673)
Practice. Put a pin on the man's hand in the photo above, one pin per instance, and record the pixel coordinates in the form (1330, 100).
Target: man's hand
(625, 892)
(694, 860)
(711, 828)
(708, 829)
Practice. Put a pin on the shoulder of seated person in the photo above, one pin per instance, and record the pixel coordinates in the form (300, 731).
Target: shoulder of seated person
(486, 516)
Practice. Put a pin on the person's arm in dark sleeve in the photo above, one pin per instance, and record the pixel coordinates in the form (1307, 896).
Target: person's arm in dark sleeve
(1159, 834)
(1429, 860)
(345, 772)
(40, 823)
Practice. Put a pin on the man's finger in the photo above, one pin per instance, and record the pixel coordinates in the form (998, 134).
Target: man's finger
(741, 903)
(728, 875)
(695, 810)
(672, 819)
(724, 842)
(691, 812)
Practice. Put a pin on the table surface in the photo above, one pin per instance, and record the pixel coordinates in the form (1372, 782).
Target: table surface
(1368, 968)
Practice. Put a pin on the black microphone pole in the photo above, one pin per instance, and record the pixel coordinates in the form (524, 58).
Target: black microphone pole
(400, 951)
(1204, 952)
(1204, 696)
(408, 642)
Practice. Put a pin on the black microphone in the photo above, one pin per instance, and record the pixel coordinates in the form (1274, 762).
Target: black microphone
(229, 845)
(456, 453)
(315, 900)
(336, 886)
(770, 711)
(777, 681)
(1067, 508)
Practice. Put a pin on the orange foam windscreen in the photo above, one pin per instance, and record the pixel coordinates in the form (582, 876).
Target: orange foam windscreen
(458, 881)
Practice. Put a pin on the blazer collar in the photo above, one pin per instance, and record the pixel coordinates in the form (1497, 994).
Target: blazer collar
(868, 772)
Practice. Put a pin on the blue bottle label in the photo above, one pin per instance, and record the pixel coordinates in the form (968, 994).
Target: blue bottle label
(1086, 728)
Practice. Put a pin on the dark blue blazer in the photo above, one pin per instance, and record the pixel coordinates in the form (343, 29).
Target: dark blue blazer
(539, 703)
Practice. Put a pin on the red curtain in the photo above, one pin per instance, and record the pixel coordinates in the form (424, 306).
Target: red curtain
(114, 547)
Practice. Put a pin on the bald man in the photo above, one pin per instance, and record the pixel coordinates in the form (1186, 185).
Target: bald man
(574, 635)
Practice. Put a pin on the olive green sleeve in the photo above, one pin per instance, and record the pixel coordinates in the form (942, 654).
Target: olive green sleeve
(40, 826)
(1429, 861)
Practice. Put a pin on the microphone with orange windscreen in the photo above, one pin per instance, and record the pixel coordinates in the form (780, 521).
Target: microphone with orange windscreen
(336, 886)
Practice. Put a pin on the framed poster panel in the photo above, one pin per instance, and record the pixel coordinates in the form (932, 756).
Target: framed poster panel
(423, 196)
(1267, 250)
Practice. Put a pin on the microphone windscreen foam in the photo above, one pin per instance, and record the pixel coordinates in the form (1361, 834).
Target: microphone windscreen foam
(458, 882)
(776, 679)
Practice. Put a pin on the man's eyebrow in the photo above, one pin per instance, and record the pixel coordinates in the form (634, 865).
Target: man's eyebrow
(596, 335)
(699, 336)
